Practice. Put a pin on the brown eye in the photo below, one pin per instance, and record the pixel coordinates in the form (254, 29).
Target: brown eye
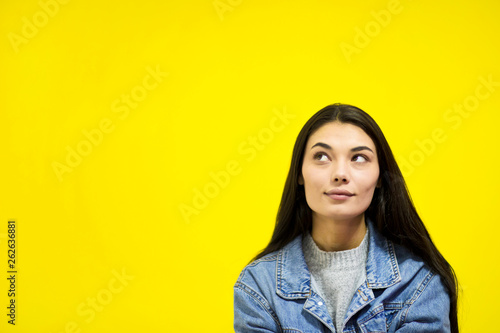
(360, 158)
(322, 157)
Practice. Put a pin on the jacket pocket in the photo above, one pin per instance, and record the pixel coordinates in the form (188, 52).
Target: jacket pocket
(375, 321)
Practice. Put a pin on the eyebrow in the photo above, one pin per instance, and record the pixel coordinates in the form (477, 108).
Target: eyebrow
(327, 146)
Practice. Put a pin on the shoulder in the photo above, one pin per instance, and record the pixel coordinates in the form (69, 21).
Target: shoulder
(414, 269)
(407, 260)
(392, 265)
(395, 267)
(262, 268)
(391, 261)
(262, 274)
(423, 295)
(256, 285)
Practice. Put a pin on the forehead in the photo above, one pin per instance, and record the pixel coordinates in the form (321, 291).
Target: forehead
(340, 135)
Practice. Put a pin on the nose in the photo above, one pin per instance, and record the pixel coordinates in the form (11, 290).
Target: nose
(340, 174)
(341, 179)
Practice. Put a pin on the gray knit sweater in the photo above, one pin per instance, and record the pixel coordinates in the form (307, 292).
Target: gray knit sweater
(336, 275)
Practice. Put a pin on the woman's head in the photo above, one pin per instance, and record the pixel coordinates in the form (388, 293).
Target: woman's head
(339, 172)
(347, 127)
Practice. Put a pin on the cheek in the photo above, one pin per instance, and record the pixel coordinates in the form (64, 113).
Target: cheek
(313, 185)
(313, 179)
(368, 182)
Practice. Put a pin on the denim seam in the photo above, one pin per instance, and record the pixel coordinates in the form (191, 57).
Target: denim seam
(279, 278)
(260, 300)
(393, 305)
(278, 271)
(264, 259)
(395, 268)
(416, 295)
(394, 262)
(372, 314)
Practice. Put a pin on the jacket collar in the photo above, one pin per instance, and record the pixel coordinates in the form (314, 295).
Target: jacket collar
(293, 279)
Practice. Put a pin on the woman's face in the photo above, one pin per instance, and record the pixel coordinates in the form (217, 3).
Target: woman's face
(339, 172)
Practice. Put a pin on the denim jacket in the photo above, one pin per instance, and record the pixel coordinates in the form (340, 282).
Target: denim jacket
(400, 294)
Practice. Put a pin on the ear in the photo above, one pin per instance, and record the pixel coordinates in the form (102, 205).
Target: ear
(301, 180)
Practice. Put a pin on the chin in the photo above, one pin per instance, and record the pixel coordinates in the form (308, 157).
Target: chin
(342, 216)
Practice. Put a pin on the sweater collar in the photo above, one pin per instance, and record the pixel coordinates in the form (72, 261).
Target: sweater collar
(293, 279)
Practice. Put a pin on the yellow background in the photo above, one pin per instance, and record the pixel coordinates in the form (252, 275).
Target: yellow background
(232, 67)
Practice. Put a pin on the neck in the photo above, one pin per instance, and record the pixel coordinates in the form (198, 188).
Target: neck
(338, 235)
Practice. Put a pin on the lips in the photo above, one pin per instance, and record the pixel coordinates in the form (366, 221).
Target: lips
(339, 194)
(339, 191)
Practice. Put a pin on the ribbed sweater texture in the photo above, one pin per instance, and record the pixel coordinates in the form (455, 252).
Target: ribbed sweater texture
(336, 275)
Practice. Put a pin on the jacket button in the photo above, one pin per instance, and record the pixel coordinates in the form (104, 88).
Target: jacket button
(320, 303)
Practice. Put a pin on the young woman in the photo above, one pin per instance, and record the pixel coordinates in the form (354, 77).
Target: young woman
(349, 252)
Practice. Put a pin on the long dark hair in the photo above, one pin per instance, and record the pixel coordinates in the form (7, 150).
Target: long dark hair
(391, 209)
